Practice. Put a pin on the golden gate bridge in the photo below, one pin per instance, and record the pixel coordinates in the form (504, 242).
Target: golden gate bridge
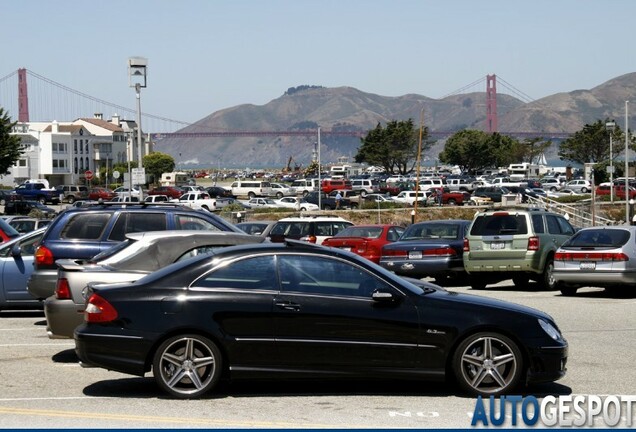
(41, 99)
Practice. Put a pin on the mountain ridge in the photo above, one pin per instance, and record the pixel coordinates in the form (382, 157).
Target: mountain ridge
(348, 108)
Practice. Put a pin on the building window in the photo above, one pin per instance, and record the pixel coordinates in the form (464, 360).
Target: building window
(22, 162)
(75, 150)
(87, 165)
(75, 166)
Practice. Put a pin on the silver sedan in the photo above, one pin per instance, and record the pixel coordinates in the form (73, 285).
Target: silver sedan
(597, 256)
(132, 259)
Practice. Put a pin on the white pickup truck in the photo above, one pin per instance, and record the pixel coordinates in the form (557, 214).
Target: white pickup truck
(197, 200)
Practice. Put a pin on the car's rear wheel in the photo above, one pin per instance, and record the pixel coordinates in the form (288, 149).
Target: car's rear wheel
(251, 195)
(488, 364)
(547, 280)
(363, 193)
(71, 199)
(187, 366)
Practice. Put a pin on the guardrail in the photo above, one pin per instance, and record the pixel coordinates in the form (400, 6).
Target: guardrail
(576, 215)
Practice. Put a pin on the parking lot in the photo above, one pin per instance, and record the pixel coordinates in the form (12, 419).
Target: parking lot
(44, 387)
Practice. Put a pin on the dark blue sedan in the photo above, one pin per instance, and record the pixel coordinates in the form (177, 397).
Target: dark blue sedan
(428, 249)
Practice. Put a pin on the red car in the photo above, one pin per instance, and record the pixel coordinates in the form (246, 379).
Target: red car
(100, 192)
(170, 191)
(619, 191)
(365, 240)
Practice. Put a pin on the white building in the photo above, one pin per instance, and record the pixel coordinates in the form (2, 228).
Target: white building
(63, 152)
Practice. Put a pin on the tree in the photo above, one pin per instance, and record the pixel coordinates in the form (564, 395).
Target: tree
(158, 163)
(591, 144)
(473, 150)
(393, 147)
(10, 145)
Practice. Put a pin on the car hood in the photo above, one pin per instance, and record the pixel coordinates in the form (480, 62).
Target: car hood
(487, 302)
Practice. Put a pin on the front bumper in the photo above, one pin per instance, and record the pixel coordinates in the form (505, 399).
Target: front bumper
(547, 364)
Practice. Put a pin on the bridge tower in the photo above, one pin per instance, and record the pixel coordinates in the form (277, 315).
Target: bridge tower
(491, 103)
(23, 97)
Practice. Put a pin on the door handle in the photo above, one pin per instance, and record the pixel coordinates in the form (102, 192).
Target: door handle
(288, 306)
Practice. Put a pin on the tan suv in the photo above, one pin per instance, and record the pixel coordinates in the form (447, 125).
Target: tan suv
(514, 244)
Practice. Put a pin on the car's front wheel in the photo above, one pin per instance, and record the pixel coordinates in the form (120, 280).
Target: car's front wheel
(71, 199)
(187, 366)
(488, 364)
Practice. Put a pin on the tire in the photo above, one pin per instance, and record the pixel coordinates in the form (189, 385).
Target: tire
(521, 280)
(41, 200)
(251, 195)
(547, 281)
(488, 364)
(583, 190)
(353, 206)
(553, 189)
(363, 193)
(71, 199)
(327, 207)
(305, 193)
(451, 201)
(303, 209)
(279, 195)
(568, 290)
(477, 283)
(180, 358)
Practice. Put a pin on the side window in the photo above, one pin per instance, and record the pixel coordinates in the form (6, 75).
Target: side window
(85, 226)
(191, 222)
(137, 222)
(566, 228)
(325, 276)
(553, 224)
(256, 273)
(537, 224)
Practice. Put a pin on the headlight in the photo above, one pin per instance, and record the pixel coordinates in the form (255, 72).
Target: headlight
(550, 330)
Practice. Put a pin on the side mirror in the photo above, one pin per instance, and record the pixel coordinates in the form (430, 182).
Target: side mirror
(16, 250)
(382, 296)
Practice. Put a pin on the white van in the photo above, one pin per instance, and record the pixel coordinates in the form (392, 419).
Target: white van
(304, 186)
(251, 188)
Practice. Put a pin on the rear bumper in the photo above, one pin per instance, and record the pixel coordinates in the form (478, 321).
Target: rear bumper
(596, 278)
(62, 317)
(421, 268)
(42, 283)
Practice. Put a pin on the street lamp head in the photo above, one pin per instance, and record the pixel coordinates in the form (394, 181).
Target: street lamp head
(137, 70)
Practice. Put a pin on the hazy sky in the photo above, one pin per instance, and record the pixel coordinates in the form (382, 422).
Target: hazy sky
(207, 55)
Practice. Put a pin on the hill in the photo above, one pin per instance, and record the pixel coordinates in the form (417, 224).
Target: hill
(347, 108)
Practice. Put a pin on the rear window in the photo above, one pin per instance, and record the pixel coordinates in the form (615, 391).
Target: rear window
(499, 224)
(590, 238)
(88, 226)
(360, 231)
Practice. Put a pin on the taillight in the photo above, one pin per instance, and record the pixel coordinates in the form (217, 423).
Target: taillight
(593, 256)
(98, 310)
(362, 247)
(466, 245)
(62, 289)
(443, 251)
(394, 253)
(310, 239)
(43, 256)
(533, 243)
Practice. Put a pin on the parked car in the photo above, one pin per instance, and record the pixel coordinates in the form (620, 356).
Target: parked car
(7, 232)
(299, 310)
(365, 240)
(83, 232)
(280, 190)
(551, 184)
(72, 193)
(582, 186)
(156, 198)
(5, 195)
(296, 203)
(16, 265)
(259, 227)
(495, 193)
(18, 206)
(170, 191)
(135, 257)
(312, 229)
(518, 245)
(432, 248)
(124, 191)
(619, 191)
(28, 224)
(219, 192)
(101, 193)
(597, 256)
(261, 203)
(378, 198)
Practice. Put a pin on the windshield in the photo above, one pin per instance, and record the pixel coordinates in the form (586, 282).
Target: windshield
(361, 231)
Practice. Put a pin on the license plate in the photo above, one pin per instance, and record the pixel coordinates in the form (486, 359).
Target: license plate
(587, 266)
(497, 245)
(415, 255)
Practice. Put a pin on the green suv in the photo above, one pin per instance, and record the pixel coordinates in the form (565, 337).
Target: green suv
(515, 244)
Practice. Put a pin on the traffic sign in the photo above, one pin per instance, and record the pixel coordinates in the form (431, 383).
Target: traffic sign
(88, 174)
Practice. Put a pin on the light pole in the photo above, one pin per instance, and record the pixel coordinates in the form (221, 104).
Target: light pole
(137, 71)
(319, 181)
(626, 166)
(610, 126)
